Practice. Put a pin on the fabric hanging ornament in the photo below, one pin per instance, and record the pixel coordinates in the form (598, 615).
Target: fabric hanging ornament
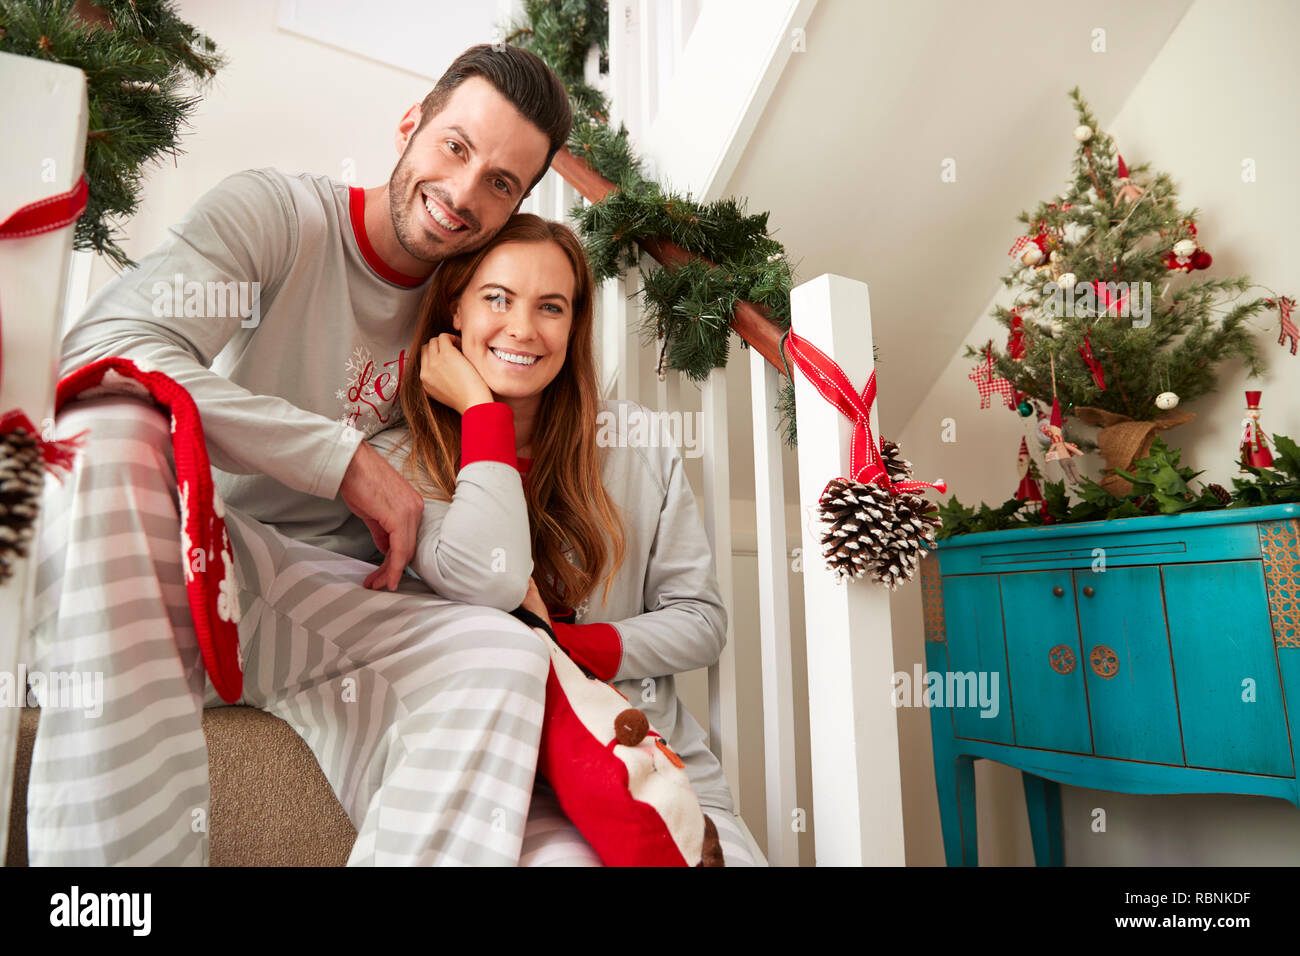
(1108, 304)
(1254, 447)
(25, 456)
(1016, 337)
(211, 584)
(1060, 449)
(1098, 374)
(876, 522)
(1285, 305)
(1187, 254)
(1028, 489)
(1129, 191)
(988, 382)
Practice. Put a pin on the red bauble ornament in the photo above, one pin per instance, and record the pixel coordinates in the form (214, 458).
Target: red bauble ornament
(1202, 259)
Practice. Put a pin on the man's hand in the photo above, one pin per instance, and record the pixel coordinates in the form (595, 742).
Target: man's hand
(389, 506)
(533, 602)
(448, 376)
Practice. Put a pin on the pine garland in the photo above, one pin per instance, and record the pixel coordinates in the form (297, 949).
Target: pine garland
(1162, 484)
(687, 308)
(137, 68)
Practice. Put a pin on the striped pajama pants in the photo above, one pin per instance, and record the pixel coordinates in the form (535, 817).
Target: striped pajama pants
(424, 715)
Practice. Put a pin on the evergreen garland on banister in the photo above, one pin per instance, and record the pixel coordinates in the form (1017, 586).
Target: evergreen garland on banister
(138, 64)
(687, 308)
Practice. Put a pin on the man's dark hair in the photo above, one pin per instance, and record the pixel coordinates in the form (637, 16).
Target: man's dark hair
(521, 77)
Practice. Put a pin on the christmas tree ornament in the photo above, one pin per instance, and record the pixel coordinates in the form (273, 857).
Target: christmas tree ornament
(1285, 305)
(1031, 250)
(1083, 133)
(1067, 280)
(1109, 302)
(1129, 191)
(1059, 449)
(988, 382)
(876, 524)
(1187, 254)
(1094, 366)
(1168, 398)
(1254, 447)
(1016, 338)
(1027, 469)
(1025, 409)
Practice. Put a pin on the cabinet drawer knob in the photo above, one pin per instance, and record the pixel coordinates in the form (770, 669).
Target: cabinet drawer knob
(1058, 591)
(1088, 591)
(1061, 658)
(1104, 661)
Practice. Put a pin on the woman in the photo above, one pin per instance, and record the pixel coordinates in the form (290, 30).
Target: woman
(539, 493)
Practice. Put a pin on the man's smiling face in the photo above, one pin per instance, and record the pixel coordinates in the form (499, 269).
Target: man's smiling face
(463, 173)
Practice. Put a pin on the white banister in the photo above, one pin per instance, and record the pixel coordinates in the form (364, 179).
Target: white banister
(43, 113)
(724, 722)
(773, 615)
(852, 725)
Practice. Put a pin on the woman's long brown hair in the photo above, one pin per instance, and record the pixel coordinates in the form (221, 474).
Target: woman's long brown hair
(567, 503)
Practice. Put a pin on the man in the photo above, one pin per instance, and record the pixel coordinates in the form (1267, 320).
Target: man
(424, 715)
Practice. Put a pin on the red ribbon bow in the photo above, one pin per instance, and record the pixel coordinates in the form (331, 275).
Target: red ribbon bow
(866, 463)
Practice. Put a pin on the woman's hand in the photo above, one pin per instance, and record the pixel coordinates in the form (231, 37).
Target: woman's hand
(533, 602)
(448, 376)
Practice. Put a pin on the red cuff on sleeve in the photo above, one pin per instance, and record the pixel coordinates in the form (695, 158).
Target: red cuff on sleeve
(487, 433)
(597, 647)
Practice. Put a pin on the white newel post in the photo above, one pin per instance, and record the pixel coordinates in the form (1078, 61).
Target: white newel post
(43, 113)
(853, 726)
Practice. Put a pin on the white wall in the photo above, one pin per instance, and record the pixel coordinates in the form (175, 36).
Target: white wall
(282, 101)
(1223, 87)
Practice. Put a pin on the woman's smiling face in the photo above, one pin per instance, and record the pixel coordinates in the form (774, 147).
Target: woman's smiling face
(515, 315)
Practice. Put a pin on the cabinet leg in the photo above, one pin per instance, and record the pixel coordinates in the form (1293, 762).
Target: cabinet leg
(1043, 798)
(956, 789)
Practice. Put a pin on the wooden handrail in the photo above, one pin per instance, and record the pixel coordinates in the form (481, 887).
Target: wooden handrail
(751, 322)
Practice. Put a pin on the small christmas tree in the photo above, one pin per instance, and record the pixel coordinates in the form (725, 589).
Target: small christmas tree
(1100, 291)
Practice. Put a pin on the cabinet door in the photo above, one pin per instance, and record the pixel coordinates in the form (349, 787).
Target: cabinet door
(1127, 669)
(1051, 705)
(977, 659)
(1225, 667)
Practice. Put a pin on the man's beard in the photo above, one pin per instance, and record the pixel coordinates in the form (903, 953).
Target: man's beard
(413, 236)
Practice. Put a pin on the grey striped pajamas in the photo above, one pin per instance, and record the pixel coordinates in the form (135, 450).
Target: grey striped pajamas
(424, 715)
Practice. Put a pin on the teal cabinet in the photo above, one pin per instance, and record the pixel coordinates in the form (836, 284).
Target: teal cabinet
(1148, 655)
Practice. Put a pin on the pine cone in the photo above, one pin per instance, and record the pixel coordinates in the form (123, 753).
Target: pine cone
(896, 466)
(857, 518)
(911, 536)
(21, 480)
(1220, 492)
(873, 532)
